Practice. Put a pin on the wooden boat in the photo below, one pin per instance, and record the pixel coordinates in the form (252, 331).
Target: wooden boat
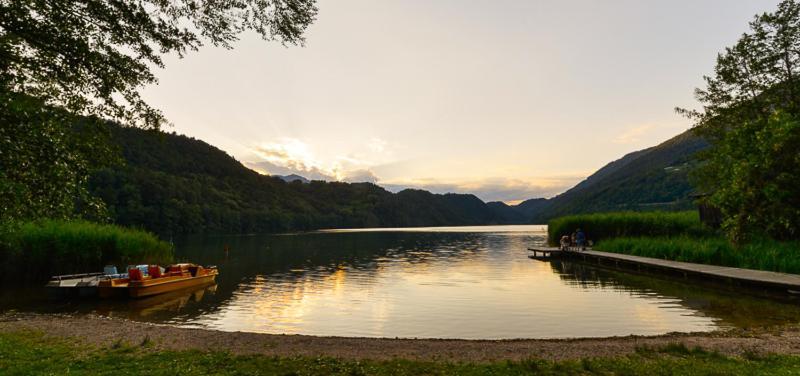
(112, 287)
(178, 276)
(175, 277)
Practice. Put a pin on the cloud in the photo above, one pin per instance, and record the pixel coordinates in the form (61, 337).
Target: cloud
(377, 145)
(498, 189)
(633, 135)
(292, 156)
(650, 133)
(269, 168)
(360, 176)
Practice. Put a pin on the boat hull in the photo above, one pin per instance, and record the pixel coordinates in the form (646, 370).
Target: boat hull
(160, 286)
(75, 285)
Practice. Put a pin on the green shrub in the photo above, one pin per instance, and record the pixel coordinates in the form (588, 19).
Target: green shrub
(763, 254)
(610, 225)
(33, 251)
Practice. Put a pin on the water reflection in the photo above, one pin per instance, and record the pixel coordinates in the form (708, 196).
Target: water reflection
(739, 309)
(158, 307)
(475, 284)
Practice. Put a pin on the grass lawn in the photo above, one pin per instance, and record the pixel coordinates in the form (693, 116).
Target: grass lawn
(31, 354)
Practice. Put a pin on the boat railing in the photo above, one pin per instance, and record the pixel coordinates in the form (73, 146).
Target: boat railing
(73, 276)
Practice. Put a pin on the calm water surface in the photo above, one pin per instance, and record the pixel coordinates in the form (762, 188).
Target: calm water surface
(458, 282)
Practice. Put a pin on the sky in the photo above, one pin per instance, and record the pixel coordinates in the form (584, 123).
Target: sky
(508, 100)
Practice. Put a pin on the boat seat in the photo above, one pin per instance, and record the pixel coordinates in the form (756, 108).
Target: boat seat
(154, 271)
(135, 274)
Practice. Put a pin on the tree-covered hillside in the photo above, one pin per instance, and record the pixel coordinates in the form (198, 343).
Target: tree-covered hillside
(173, 184)
(653, 178)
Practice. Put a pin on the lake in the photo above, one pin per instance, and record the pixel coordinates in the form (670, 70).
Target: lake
(448, 282)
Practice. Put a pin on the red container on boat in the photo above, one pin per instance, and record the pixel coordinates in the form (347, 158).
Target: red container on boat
(154, 271)
(135, 274)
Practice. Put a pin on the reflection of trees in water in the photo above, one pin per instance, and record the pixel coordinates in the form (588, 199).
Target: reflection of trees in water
(320, 252)
(312, 263)
(581, 275)
(305, 258)
(734, 308)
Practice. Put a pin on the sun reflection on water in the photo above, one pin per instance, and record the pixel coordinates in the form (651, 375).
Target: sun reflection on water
(452, 283)
(465, 285)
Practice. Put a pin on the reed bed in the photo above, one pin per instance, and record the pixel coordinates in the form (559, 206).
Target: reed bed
(601, 226)
(33, 251)
(762, 254)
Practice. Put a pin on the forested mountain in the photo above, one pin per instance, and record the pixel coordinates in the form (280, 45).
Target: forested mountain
(506, 213)
(529, 208)
(653, 178)
(172, 184)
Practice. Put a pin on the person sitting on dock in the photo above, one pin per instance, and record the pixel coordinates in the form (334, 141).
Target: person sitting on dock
(580, 239)
(565, 243)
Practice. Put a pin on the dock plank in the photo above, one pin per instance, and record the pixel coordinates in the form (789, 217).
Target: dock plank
(547, 253)
(786, 281)
(761, 277)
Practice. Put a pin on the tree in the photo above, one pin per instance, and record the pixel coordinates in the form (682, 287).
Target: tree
(70, 62)
(46, 155)
(756, 166)
(91, 57)
(751, 107)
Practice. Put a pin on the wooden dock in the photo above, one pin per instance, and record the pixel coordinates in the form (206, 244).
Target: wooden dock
(787, 283)
(545, 253)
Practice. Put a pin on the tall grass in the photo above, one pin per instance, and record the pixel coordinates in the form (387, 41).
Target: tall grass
(763, 254)
(630, 224)
(678, 236)
(32, 252)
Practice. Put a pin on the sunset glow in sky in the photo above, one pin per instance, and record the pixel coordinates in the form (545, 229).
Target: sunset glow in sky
(505, 99)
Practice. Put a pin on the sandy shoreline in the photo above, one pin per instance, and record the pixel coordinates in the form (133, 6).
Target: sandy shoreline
(103, 332)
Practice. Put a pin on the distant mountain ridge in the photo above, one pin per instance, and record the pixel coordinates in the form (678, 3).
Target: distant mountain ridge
(652, 178)
(173, 184)
(178, 185)
(655, 177)
(292, 177)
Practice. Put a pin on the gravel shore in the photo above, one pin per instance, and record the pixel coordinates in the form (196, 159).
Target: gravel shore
(99, 331)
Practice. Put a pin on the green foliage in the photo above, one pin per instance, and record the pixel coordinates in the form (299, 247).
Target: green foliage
(762, 254)
(601, 226)
(32, 354)
(64, 64)
(46, 155)
(91, 57)
(755, 168)
(174, 184)
(652, 179)
(755, 76)
(33, 251)
(750, 109)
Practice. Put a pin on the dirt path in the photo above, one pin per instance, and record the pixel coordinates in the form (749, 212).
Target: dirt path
(104, 332)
